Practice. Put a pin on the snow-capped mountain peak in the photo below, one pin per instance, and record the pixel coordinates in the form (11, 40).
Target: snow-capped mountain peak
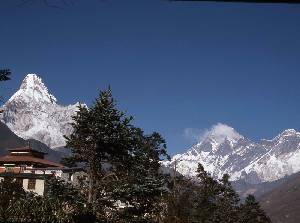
(223, 150)
(32, 112)
(288, 133)
(285, 135)
(33, 88)
(217, 135)
(220, 132)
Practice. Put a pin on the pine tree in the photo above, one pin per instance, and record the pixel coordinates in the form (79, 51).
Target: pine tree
(123, 163)
(215, 200)
(65, 200)
(5, 75)
(143, 184)
(180, 200)
(251, 212)
(206, 196)
(227, 202)
(101, 138)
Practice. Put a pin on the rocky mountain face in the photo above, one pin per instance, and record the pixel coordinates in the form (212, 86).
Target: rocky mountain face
(33, 113)
(223, 150)
(283, 202)
(9, 140)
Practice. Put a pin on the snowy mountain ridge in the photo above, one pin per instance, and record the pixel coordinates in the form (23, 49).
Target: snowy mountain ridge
(32, 112)
(223, 150)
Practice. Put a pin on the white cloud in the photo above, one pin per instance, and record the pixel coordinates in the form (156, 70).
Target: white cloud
(193, 134)
(219, 132)
(222, 131)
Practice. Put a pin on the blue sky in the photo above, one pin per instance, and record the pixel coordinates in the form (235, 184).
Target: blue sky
(173, 66)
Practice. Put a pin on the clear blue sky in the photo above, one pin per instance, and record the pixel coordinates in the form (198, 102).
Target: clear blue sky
(171, 65)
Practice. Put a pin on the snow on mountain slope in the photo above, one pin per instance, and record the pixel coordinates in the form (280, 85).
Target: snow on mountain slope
(32, 112)
(223, 150)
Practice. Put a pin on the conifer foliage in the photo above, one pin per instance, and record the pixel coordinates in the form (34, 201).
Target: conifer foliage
(251, 211)
(5, 74)
(211, 201)
(122, 162)
(101, 140)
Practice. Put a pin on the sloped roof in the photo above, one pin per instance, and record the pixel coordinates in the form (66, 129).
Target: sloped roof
(30, 159)
(25, 149)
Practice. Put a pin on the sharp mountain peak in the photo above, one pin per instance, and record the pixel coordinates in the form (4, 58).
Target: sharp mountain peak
(33, 89)
(32, 113)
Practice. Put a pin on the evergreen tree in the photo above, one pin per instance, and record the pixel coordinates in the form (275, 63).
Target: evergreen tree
(123, 163)
(251, 212)
(206, 198)
(66, 201)
(180, 200)
(227, 202)
(217, 202)
(5, 75)
(142, 183)
(101, 138)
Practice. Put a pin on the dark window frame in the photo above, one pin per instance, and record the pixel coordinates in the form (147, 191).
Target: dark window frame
(31, 184)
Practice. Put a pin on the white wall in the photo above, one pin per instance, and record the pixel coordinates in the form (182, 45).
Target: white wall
(39, 186)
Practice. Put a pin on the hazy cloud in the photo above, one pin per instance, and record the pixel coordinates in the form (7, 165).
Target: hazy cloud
(193, 135)
(219, 132)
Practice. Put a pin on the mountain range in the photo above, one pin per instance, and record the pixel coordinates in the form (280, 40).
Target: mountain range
(223, 150)
(33, 113)
(269, 169)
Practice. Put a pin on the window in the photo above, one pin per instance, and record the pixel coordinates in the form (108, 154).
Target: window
(31, 184)
(9, 167)
(69, 177)
(19, 181)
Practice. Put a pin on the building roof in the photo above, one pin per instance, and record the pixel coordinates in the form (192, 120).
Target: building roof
(29, 159)
(25, 149)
